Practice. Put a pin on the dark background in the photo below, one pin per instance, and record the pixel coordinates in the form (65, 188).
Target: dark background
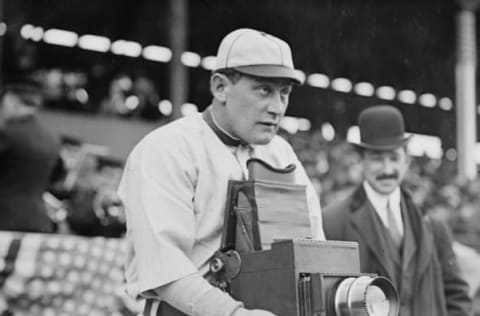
(404, 44)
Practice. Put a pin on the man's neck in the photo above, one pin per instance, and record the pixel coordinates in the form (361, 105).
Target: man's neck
(378, 198)
(219, 126)
(226, 138)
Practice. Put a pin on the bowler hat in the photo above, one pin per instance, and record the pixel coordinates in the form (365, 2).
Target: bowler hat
(381, 128)
(258, 54)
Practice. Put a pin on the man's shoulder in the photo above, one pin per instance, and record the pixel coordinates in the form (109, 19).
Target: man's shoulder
(182, 129)
(340, 206)
(336, 217)
(172, 137)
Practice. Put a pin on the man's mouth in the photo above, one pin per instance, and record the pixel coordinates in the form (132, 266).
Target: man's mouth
(387, 177)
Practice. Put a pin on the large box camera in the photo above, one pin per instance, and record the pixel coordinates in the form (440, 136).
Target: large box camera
(307, 277)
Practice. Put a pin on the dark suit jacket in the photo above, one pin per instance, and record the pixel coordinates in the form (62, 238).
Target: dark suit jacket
(28, 154)
(431, 284)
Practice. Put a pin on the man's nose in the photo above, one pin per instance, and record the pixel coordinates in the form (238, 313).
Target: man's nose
(388, 166)
(277, 104)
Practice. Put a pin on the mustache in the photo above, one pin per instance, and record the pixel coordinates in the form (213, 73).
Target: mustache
(387, 176)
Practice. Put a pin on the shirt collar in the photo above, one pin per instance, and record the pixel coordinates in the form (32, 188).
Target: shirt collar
(224, 136)
(380, 201)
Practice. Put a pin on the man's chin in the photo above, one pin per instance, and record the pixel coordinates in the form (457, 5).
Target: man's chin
(385, 189)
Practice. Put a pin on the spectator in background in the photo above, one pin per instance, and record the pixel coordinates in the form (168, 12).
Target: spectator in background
(95, 209)
(174, 186)
(395, 239)
(28, 155)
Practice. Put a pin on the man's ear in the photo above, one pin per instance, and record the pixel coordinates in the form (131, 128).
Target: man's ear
(219, 86)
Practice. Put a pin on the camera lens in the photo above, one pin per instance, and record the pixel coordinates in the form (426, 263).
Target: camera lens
(376, 301)
(366, 296)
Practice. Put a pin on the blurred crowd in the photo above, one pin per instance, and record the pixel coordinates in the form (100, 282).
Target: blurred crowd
(334, 169)
(332, 165)
(83, 201)
(86, 193)
(91, 207)
(129, 95)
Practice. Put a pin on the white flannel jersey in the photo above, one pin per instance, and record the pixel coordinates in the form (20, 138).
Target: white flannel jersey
(174, 189)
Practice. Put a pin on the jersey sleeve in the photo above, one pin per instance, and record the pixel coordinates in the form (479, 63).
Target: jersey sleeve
(157, 190)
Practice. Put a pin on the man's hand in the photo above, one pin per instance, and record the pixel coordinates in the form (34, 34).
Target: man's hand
(252, 312)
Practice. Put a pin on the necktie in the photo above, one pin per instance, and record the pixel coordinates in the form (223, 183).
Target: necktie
(393, 227)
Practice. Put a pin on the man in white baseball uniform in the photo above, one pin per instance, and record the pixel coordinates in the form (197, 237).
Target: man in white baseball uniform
(174, 186)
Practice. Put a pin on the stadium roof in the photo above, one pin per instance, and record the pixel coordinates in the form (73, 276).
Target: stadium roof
(400, 44)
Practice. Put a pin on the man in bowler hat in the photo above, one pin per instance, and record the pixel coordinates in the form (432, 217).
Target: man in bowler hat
(396, 240)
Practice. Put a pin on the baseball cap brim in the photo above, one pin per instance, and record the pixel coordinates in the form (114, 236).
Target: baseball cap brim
(271, 71)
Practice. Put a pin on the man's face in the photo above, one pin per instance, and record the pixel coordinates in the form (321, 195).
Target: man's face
(9, 105)
(255, 107)
(384, 170)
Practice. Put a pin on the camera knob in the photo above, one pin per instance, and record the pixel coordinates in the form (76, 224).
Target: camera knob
(216, 265)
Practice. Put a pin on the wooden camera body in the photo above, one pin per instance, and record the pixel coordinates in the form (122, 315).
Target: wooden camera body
(304, 277)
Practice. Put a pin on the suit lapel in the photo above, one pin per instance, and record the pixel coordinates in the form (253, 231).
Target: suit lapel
(422, 234)
(409, 244)
(418, 237)
(362, 220)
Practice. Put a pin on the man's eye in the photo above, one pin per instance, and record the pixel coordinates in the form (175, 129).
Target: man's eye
(265, 90)
(395, 158)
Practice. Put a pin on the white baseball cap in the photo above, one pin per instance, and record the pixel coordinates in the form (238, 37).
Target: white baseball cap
(258, 54)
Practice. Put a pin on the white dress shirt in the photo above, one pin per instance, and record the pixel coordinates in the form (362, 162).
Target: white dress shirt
(381, 203)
